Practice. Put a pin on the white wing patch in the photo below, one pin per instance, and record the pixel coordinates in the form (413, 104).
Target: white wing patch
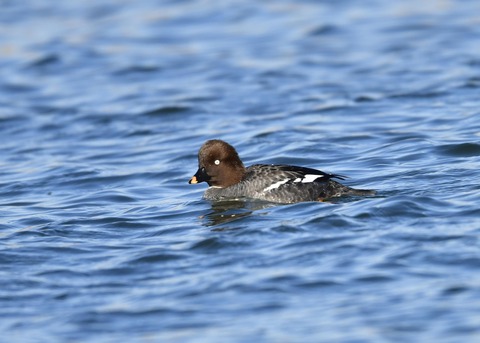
(308, 178)
(276, 185)
(305, 179)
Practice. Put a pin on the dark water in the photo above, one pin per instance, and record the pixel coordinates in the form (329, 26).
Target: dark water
(104, 104)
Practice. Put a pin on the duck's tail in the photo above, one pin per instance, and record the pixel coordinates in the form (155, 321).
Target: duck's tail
(340, 190)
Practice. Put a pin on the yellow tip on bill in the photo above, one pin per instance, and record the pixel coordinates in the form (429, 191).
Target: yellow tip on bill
(193, 180)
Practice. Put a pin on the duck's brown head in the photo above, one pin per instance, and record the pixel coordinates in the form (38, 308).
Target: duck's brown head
(218, 165)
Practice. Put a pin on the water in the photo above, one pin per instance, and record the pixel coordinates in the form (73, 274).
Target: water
(104, 104)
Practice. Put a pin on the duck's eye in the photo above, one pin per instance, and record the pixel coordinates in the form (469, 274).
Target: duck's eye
(217, 162)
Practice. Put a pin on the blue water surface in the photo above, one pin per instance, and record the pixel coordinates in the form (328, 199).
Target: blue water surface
(104, 105)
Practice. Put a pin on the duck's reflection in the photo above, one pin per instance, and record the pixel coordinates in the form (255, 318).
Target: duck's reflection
(224, 212)
(227, 211)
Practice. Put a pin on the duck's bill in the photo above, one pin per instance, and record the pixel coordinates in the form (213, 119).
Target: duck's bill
(200, 176)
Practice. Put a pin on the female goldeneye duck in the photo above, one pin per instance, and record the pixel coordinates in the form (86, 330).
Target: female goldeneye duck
(220, 167)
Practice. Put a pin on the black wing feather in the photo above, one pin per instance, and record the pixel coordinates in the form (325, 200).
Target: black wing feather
(302, 171)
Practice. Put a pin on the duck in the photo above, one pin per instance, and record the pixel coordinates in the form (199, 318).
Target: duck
(220, 166)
